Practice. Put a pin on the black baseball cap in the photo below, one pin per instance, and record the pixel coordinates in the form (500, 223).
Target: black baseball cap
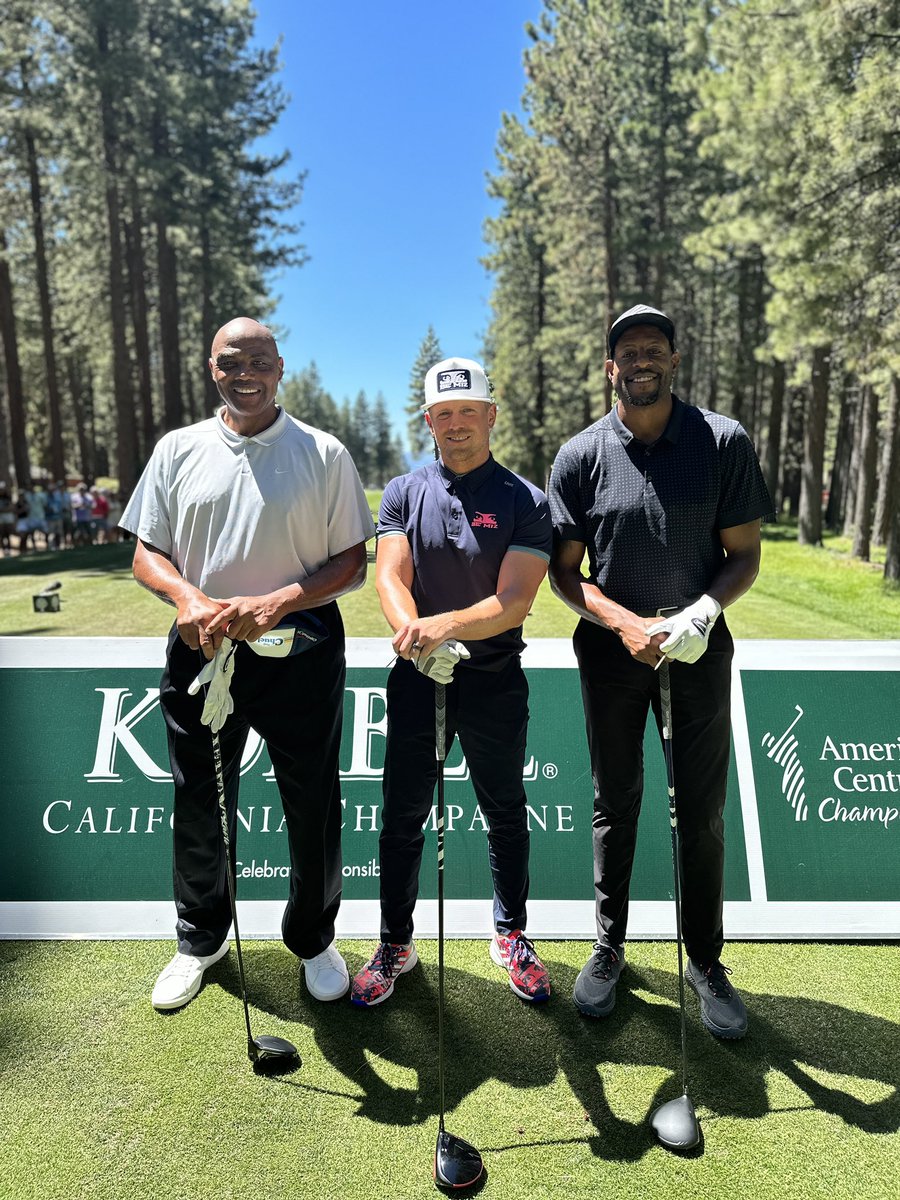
(641, 314)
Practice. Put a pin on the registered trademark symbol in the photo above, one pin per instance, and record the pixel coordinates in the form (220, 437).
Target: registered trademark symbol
(550, 770)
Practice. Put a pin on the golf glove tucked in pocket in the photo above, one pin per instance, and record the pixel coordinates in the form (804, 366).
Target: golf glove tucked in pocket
(296, 632)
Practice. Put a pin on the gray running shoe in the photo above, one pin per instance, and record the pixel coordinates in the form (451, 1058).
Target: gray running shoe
(595, 988)
(721, 1008)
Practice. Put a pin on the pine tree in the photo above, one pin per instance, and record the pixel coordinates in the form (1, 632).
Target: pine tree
(429, 353)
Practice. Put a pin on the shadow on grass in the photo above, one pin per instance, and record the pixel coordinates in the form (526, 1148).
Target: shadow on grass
(92, 560)
(491, 1035)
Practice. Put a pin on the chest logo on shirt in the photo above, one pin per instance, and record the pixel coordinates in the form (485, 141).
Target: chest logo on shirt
(485, 521)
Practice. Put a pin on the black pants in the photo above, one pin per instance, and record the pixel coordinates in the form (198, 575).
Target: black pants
(296, 705)
(618, 692)
(489, 711)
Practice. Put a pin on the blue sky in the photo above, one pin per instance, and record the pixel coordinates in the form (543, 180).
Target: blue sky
(394, 114)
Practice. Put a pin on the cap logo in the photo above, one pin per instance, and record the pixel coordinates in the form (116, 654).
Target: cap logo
(459, 379)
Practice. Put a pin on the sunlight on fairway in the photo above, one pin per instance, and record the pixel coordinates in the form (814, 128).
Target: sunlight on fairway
(405, 1079)
(630, 1092)
(867, 1091)
(654, 998)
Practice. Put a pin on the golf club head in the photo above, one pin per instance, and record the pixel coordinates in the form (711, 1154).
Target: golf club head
(273, 1055)
(457, 1164)
(675, 1124)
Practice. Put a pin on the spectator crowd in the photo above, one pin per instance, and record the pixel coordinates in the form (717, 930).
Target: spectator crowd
(57, 517)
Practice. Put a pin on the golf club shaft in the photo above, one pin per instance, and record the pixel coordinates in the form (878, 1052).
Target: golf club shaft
(440, 750)
(665, 699)
(223, 814)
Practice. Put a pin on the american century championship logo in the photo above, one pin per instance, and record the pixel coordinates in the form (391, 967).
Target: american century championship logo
(849, 776)
(793, 781)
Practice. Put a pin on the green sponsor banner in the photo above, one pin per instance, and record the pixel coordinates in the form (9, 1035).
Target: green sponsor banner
(88, 798)
(812, 818)
(825, 751)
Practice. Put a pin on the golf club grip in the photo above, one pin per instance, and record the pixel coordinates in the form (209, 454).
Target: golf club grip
(665, 700)
(440, 721)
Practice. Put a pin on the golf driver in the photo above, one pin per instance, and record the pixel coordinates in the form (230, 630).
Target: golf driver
(675, 1123)
(457, 1164)
(269, 1055)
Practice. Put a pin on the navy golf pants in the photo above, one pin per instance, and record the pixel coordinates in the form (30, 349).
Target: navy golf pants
(618, 692)
(296, 705)
(489, 712)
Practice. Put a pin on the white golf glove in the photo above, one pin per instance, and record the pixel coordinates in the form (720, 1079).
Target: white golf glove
(688, 630)
(439, 663)
(217, 676)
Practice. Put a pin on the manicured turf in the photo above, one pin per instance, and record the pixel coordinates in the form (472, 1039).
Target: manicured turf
(103, 1099)
(801, 592)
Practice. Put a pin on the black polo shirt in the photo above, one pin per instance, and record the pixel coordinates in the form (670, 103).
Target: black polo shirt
(459, 528)
(650, 515)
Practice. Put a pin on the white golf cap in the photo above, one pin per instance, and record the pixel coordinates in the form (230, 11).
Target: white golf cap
(457, 379)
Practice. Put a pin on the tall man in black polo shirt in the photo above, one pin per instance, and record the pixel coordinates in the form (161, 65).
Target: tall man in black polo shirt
(667, 499)
(463, 545)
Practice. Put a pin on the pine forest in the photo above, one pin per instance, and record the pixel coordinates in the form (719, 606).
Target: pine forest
(734, 163)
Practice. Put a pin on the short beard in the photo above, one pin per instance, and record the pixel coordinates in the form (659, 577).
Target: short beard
(637, 401)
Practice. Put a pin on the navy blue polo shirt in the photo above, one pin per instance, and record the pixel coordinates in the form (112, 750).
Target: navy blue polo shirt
(459, 528)
(650, 515)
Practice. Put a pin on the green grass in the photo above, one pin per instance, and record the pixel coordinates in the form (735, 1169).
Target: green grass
(103, 1099)
(801, 592)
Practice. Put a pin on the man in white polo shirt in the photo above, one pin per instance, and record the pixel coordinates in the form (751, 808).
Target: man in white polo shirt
(240, 520)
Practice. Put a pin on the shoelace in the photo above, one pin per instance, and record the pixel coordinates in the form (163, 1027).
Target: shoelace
(604, 960)
(385, 959)
(718, 983)
(184, 965)
(522, 950)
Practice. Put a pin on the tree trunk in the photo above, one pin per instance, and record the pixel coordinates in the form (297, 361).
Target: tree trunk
(17, 423)
(713, 395)
(126, 439)
(137, 275)
(662, 177)
(793, 456)
(742, 349)
(54, 405)
(772, 464)
(84, 422)
(207, 319)
(892, 554)
(887, 474)
(868, 458)
(836, 508)
(167, 273)
(756, 371)
(688, 347)
(541, 463)
(611, 276)
(849, 512)
(809, 527)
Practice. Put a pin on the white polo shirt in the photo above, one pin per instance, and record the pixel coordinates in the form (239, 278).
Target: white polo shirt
(244, 516)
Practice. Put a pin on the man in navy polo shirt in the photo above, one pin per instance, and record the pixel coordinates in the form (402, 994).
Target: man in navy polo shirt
(667, 500)
(463, 545)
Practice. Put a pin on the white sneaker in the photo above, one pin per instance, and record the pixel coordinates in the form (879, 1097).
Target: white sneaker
(180, 981)
(327, 977)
